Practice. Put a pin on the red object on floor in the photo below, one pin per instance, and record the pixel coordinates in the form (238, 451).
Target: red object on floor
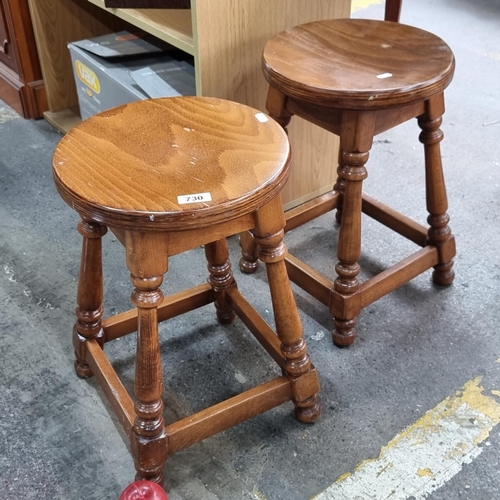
(143, 490)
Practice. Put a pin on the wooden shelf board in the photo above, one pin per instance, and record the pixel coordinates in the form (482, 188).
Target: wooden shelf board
(305, 198)
(64, 120)
(171, 25)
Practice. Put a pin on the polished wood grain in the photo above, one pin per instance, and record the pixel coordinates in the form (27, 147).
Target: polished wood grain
(124, 169)
(338, 63)
(356, 79)
(183, 151)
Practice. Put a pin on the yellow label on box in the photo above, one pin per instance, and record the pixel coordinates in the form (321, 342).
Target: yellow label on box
(88, 77)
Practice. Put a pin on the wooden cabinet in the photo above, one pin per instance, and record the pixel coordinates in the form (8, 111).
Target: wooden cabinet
(21, 84)
(6, 49)
(225, 37)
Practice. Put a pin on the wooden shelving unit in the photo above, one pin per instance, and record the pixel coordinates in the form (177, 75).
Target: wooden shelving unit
(174, 26)
(225, 37)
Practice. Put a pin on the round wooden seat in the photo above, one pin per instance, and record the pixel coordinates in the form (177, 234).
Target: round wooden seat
(357, 63)
(146, 164)
(356, 79)
(166, 176)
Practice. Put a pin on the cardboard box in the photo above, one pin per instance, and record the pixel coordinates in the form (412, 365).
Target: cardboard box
(122, 67)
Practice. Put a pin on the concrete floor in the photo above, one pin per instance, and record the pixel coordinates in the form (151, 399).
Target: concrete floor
(415, 347)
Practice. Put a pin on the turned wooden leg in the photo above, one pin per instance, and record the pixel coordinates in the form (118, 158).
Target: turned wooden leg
(439, 233)
(221, 278)
(276, 108)
(356, 137)
(90, 294)
(147, 261)
(339, 186)
(148, 436)
(249, 261)
(269, 233)
(393, 10)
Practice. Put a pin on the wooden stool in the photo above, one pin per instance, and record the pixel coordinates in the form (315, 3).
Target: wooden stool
(165, 176)
(358, 78)
(392, 10)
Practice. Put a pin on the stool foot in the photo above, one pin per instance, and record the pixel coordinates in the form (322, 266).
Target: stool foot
(308, 411)
(143, 453)
(344, 334)
(443, 274)
(82, 369)
(248, 267)
(221, 278)
(226, 319)
(249, 261)
(338, 215)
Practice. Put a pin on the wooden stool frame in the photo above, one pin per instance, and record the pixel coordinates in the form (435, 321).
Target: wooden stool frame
(150, 240)
(357, 117)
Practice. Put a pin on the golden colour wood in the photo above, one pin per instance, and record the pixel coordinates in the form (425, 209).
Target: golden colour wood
(165, 176)
(356, 79)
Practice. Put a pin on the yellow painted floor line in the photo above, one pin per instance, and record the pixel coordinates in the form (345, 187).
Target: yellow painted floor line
(427, 454)
(362, 4)
(258, 495)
